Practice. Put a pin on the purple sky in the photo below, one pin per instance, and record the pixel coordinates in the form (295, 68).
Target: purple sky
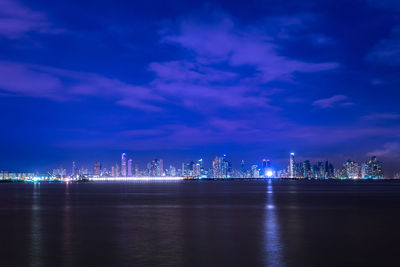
(87, 80)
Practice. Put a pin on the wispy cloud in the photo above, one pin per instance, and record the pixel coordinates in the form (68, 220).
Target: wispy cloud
(387, 51)
(381, 116)
(391, 149)
(224, 41)
(336, 100)
(16, 20)
(61, 85)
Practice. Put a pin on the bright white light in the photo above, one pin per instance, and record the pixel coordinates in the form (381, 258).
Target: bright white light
(269, 174)
(136, 178)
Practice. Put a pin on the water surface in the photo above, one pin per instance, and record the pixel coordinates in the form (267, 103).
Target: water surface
(200, 223)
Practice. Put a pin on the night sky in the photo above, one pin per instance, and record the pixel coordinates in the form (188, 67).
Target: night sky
(86, 80)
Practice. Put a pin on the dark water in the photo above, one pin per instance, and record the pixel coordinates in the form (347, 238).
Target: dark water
(201, 223)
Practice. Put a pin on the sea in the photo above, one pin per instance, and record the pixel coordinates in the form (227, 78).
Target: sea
(271, 222)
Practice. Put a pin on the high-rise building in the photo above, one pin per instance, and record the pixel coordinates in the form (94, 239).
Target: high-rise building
(123, 164)
(156, 168)
(307, 172)
(292, 169)
(351, 170)
(172, 171)
(97, 169)
(197, 168)
(373, 169)
(188, 169)
(255, 172)
(74, 169)
(216, 167)
(117, 170)
(130, 168)
(243, 170)
(201, 168)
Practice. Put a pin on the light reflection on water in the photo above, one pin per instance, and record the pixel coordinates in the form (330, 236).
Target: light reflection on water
(68, 258)
(273, 246)
(36, 228)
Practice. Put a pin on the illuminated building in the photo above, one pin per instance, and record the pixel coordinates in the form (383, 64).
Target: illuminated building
(307, 172)
(216, 167)
(224, 167)
(187, 169)
(123, 165)
(243, 171)
(292, 169)
(117, 170)
(373, 169)
(197, 169)
(255, 172)
(97, 169)
(351, 170)
(74, 169)
(156, 168)
(130, 168)
(172, 171)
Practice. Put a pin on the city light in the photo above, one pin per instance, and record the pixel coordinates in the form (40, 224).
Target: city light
(136, 178)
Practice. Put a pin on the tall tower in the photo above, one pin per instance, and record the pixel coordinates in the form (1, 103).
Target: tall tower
(123, 164)
(130, 173)
(97, 169)
(292, 173)
(74, 169)
(217, 167)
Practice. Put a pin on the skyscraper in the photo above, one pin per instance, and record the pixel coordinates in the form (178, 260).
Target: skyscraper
(130, 170)
(292, 169)
(74, 169)
(373, 169)
(351, 170)
(217, 167)
(97, 169)
(243, 170)
(188, 169)
(123, 164)
(307, 173)
(156, 167)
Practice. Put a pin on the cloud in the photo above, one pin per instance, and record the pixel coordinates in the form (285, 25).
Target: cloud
(387, 51)
(390, 149)
(223, 41)
(381, 116)
(16, 20)
(336, 100)
(21, 79)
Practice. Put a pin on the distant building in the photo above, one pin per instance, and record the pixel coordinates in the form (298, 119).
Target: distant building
(255, 172)
(123, 165)
(216, 167)
(172, 171)
(307, 171)
(373, 169)
(351, 170)
(130, 168)
(156, 168)
(97, 169)
(74, 169)
(292, 169)
(188, 169)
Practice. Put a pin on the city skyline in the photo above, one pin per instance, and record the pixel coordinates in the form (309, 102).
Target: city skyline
(220, 167)
(198, 78)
